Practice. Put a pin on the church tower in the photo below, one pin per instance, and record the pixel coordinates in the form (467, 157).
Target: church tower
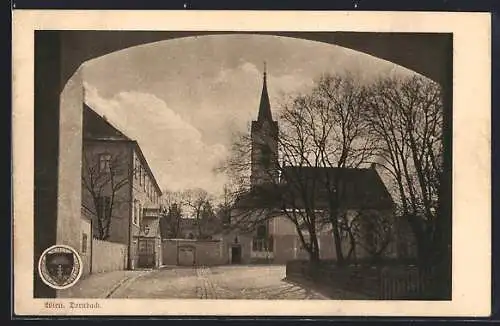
(264, 136)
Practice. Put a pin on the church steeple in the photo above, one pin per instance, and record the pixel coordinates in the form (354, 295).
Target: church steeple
(265, 106)
(264, 135)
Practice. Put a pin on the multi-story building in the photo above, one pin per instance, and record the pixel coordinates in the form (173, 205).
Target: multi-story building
(119, 191)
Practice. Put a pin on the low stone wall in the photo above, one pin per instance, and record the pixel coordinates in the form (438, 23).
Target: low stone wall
(205, 252)
(378, 282)
(108, 256)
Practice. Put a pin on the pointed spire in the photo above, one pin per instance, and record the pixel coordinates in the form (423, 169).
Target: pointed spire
(265, 106)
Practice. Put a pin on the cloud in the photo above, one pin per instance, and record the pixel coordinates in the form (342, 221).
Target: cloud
(249, 68)
(246, 81)
(174, 148)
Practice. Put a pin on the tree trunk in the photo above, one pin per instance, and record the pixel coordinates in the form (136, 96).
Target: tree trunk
(314, 256)
(337, 241)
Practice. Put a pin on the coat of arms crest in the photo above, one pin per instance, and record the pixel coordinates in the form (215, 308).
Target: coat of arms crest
(60, 267)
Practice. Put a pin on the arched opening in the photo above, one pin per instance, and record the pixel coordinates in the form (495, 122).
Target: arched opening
(59, 100)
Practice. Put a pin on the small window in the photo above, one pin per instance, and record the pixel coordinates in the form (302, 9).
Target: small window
(84, 243)
(136, 168)
(262, 244)
(261, 231)
(104, 162)
(141, 214)
(266, 156)
(137, 212)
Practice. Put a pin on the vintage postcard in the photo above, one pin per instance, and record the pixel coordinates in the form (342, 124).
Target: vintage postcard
(251, 163)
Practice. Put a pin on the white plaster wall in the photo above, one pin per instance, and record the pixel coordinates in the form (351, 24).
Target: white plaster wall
(70, 154)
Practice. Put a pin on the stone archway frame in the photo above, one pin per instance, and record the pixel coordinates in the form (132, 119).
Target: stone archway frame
(59, 99)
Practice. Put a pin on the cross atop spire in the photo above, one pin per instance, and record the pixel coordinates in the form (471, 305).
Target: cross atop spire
(265, 106)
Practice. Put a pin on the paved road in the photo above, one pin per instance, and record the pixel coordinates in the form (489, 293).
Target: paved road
(224, 282)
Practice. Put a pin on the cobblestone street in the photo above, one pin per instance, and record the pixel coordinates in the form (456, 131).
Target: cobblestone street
(223, 282)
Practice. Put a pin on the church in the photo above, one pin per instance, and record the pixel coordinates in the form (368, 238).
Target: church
(268, 234)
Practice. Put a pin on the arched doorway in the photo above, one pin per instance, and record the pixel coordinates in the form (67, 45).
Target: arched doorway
(59, 99)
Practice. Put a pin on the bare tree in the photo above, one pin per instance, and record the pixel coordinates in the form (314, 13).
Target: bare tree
(320, 130)
(170, 223)
(405, 118)
(172, 214)
(199, 202)
(372, 232)
(332, 118)
(209, 222)
(103, 178)
(225, 205)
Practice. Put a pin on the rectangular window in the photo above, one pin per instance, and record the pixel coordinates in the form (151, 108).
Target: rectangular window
(104, 162)
(140, 215)
(84, 243)
(140, 175)
(262, 244)
(257, 244)
(136, 212)
(261, 231)
(136, 168)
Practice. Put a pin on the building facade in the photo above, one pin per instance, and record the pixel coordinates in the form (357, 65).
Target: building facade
(119, 191)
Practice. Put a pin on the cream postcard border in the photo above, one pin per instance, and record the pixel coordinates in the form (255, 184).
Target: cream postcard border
(471, 152)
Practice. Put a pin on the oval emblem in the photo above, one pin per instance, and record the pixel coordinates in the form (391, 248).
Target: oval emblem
(60, 267)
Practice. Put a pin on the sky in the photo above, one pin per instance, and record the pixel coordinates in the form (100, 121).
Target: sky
(184, 99)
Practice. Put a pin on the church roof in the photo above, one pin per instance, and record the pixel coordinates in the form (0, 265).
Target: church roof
(300, 187)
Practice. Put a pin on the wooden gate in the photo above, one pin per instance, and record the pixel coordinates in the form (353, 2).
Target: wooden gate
(186, 255)
(146, 253)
